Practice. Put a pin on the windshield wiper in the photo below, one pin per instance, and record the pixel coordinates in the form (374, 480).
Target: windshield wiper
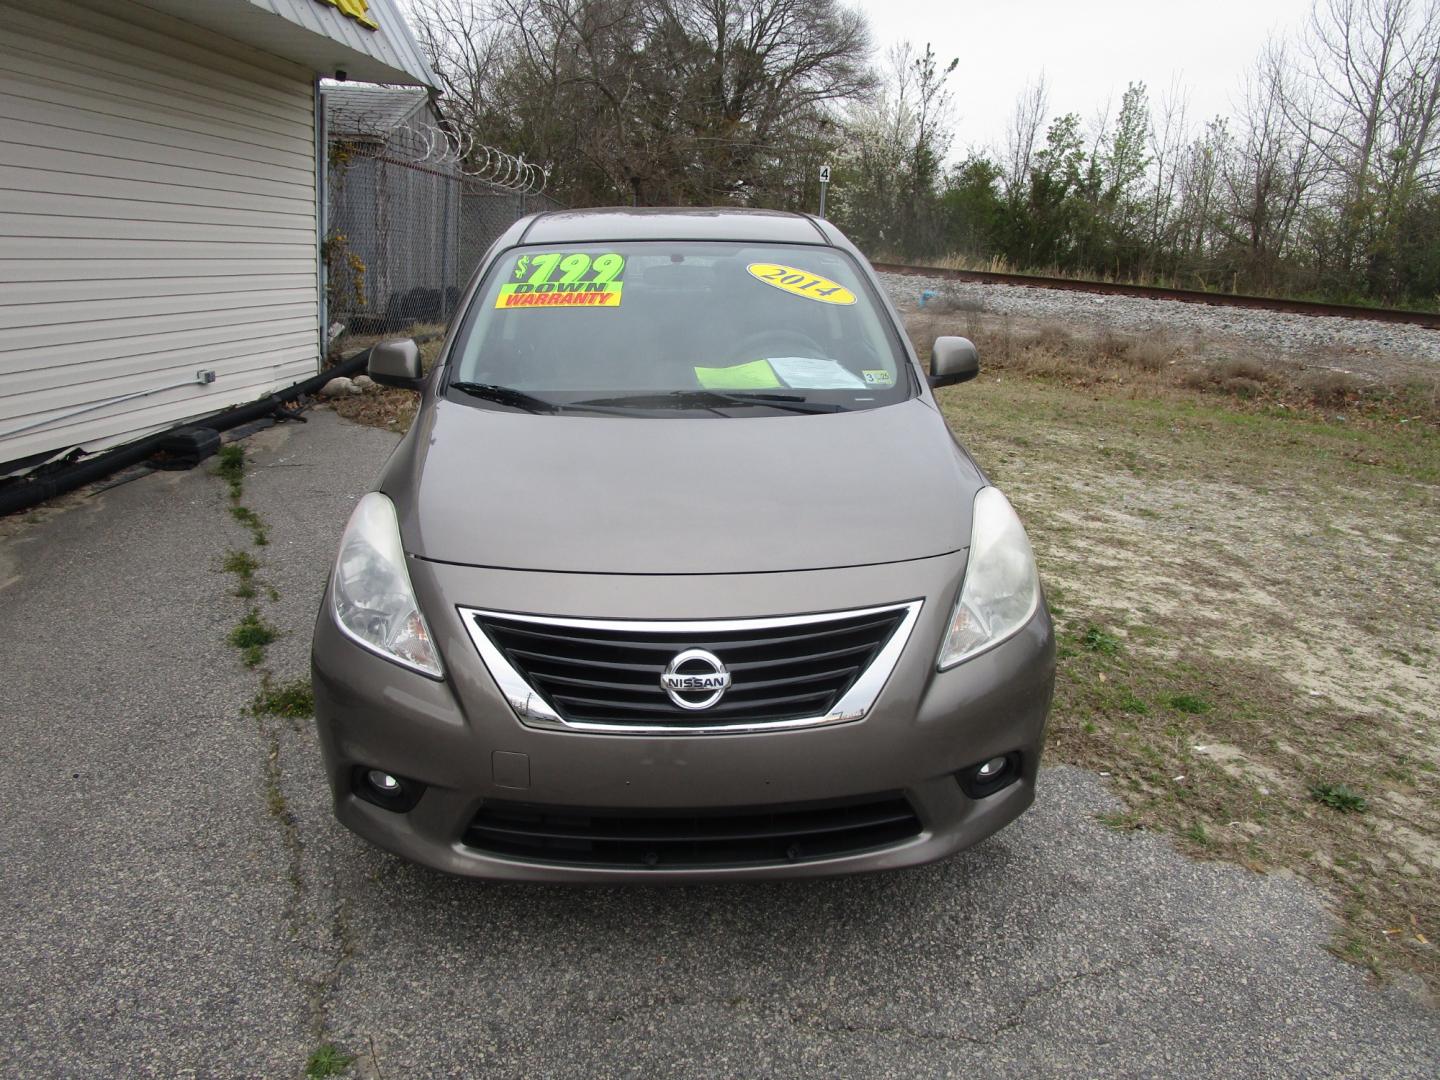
(505, 395)
(713, 399)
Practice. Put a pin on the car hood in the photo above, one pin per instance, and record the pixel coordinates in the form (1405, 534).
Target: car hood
(692, 495)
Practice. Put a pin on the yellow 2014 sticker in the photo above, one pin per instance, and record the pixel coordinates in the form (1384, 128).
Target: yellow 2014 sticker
(555, 279)
(801, 283)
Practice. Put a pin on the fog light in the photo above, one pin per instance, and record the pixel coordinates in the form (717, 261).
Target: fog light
(990, 775)
(989, 771)
(385, 784)
(385, 789)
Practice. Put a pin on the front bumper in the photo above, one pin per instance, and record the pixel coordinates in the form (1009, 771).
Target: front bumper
(461, 739)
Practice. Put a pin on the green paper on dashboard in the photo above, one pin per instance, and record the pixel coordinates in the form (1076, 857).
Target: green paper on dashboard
(756, 375)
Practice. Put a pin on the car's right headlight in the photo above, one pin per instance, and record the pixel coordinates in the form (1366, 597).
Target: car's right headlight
(371, 595)
(1002, 587)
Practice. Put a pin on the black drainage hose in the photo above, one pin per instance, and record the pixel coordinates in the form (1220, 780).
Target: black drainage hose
(36, 489)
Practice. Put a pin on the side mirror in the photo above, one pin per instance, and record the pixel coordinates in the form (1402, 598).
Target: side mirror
(396, 363)
(953, 360)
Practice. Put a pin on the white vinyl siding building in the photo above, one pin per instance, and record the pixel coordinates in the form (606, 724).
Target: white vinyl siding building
(159, 212)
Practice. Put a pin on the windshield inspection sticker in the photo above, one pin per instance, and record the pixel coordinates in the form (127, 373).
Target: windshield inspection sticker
(799, 283)
(813, 373)
(878, 378)
(556, 279)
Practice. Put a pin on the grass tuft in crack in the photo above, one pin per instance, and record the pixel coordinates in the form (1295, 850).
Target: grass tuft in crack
(243, 565)
(327, 1060)
(250, 635)
(252, 521)
(294, 700)
(231, 468)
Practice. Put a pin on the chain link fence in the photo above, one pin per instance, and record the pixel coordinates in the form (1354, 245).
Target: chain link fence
(406, 222)
(486, 212)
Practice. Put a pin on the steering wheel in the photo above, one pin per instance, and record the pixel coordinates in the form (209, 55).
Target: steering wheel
(769, 343)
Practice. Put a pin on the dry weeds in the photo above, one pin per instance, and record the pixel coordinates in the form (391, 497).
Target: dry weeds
(384, 407)
(1158, 363)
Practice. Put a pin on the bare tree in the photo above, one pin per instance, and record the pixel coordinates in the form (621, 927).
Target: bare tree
(1169, 133)
(463, 44)
(1022, 138)
(1199, 215)
(676, 101)
(1274, 165)
(1372, 113)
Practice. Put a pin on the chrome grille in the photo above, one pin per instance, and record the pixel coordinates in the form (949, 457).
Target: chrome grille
(604, 675)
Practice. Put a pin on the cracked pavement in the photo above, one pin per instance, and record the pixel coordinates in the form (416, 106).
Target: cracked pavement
(179, 900)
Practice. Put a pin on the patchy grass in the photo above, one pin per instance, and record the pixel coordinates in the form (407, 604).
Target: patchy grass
(327, 1060)
(1233, 782)
(1246, 605)
(294, 700)
(1188, 703)
(1097, 640)
(251, 635)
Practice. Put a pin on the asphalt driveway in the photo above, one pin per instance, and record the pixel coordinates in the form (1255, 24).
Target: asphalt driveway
(178, 901)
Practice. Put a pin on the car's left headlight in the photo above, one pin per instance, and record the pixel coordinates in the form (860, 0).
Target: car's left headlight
(370, 593)
(1002, 587)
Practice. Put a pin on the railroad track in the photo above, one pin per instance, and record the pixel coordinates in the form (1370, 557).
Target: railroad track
(1428, 319)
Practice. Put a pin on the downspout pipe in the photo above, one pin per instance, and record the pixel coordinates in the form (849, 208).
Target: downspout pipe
(33, 491)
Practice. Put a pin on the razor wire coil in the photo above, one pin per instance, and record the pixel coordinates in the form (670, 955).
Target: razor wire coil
(444, 147)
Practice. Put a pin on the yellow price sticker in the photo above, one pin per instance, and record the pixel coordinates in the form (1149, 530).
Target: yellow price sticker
(801, 283)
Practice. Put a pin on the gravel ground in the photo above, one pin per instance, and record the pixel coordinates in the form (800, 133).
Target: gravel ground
(179, 900)
(1360, 347)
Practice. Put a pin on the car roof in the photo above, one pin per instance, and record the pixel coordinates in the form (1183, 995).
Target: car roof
(667, 223)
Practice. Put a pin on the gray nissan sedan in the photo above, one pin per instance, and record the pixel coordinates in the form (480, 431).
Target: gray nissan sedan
(679, 574)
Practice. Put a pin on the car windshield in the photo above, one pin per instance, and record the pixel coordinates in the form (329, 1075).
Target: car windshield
(649, 328)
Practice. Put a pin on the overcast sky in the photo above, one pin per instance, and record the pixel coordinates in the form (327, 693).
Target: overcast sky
(1088, 49)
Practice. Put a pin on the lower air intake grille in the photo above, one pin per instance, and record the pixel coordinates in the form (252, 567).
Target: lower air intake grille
(676, 839)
